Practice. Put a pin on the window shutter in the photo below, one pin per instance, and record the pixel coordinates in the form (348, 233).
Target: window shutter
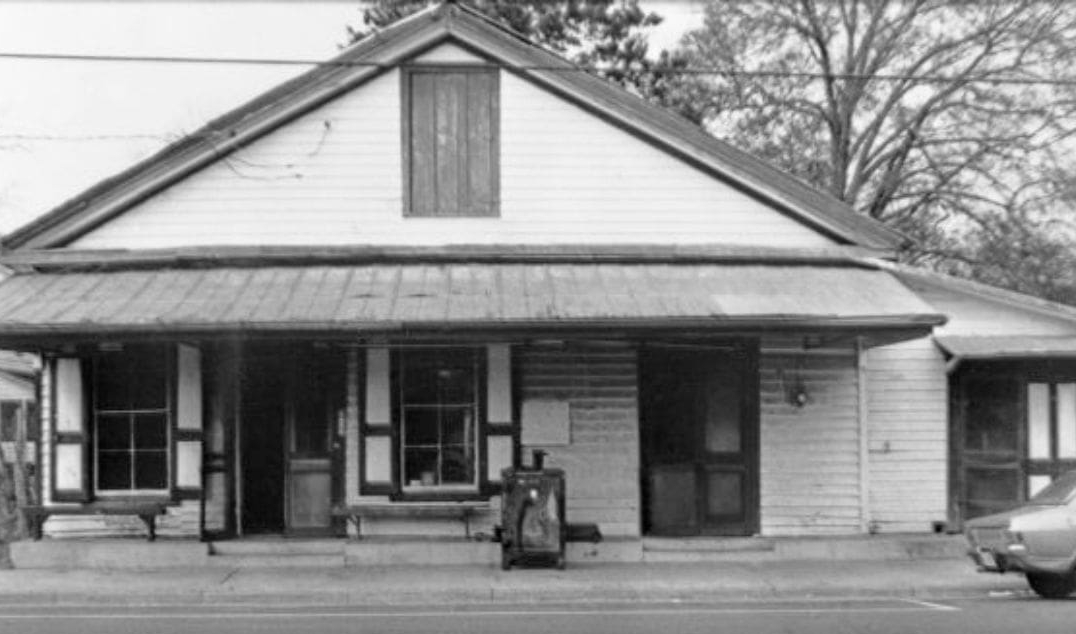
(500, 430)
(70, 433)
(187, 438)
(452, 145)
(376, 476)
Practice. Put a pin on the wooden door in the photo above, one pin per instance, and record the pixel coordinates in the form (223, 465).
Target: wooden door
(700, 440)
(314, 441)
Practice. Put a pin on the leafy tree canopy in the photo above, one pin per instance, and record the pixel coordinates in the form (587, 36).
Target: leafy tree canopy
(609, 35)
(934, 116)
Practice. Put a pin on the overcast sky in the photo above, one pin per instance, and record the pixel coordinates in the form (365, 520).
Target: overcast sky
(64, 125)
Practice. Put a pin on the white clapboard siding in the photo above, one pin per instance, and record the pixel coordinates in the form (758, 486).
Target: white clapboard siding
(908, 437)
(971, 314)
(181, 520)
(810, 469)
(334, 177)
(601, 463)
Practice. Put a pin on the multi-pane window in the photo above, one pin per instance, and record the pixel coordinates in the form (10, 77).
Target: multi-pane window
(438, 418)
(1051, 431)
(131, 405)
(451, 143)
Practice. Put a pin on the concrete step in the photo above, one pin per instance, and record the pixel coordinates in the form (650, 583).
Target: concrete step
(108, 554)
(419, 551)
(837, 548)
(277, 547)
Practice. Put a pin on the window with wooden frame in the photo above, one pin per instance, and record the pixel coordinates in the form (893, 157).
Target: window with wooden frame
(1051, 431)
(439, 414)
(131, 420)
(451, 141)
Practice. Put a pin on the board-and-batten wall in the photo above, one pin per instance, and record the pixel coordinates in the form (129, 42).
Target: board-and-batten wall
(333, 176)
(908, 447)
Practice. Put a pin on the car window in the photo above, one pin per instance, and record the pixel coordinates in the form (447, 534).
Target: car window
(1059, 491)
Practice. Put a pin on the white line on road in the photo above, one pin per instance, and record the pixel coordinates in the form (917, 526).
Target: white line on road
(932, 605)
(905, 605)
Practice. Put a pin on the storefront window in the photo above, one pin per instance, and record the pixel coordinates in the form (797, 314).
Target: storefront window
(131, 420)
(438, 418)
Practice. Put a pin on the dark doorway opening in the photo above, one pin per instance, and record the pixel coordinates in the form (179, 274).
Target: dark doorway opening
(264, 413)
(699, 436)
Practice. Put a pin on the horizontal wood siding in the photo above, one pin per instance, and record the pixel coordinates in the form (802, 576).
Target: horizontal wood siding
(809, 471)
(181, 520)
(602, 462)
(334, 176)
(908, 436)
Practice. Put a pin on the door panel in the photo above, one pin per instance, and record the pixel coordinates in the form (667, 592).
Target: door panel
(699, 434)
(313, 443)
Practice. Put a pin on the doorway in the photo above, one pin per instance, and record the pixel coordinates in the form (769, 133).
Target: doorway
(292, 408)
(699, 435)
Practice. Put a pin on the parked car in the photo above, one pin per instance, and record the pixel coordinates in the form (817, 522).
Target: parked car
(1037, 539)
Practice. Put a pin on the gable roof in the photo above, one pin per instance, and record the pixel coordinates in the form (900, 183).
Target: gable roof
(405, 39)
(919, 280)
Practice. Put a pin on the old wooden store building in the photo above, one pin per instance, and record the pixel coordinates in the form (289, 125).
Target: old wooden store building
(347, 305)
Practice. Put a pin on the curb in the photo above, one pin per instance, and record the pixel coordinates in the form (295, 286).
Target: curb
(492, 596)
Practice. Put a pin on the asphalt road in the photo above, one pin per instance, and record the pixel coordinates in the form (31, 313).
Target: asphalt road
(1007, 614)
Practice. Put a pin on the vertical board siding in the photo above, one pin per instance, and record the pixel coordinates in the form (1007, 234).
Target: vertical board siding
(602, 462)
(809, 467)
(908, 447)
(334, 176)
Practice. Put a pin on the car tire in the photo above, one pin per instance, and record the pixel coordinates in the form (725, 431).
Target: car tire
(1050, 586)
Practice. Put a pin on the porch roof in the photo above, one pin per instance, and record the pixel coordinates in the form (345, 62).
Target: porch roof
(1008, 346)
(417, 296)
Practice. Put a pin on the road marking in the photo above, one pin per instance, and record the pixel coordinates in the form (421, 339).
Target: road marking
(932, 605)
(897, 606)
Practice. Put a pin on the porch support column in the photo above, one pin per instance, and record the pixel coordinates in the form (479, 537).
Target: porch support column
(863, 426)
(352, 466)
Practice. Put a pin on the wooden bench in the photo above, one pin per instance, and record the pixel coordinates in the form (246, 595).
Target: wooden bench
(462, 511)
(146, 511)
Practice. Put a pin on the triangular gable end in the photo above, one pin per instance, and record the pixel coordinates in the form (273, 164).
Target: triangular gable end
(370, 61)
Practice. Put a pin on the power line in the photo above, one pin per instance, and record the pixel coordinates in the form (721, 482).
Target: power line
(662, 70)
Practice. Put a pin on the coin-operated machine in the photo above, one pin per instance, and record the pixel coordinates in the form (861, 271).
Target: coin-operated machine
(533, 528)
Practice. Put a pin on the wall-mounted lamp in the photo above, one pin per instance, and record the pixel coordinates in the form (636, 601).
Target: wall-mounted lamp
(795, 389)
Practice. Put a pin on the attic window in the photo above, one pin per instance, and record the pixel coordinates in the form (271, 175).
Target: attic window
(451, 141)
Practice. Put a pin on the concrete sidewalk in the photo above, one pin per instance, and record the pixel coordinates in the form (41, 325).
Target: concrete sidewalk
(447, 585)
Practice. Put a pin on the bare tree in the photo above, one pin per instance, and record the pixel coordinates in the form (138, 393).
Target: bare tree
(934, 116)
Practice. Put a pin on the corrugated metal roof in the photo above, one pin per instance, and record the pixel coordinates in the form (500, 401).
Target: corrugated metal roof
(397, 296)
(1008, 347)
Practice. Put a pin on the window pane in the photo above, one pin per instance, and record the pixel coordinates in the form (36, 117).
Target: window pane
(1066, 420)
(1038, 420)
(151, 470)
(149, 378)
(420, 467)
(456, 425)
(420, 426)
(33, 422)
(151, 431)
(111, 387)
(114, 470)
(9, 411)
(457, 465)
(113, 432)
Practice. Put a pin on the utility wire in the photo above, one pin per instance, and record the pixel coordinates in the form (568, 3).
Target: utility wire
(661, 70)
